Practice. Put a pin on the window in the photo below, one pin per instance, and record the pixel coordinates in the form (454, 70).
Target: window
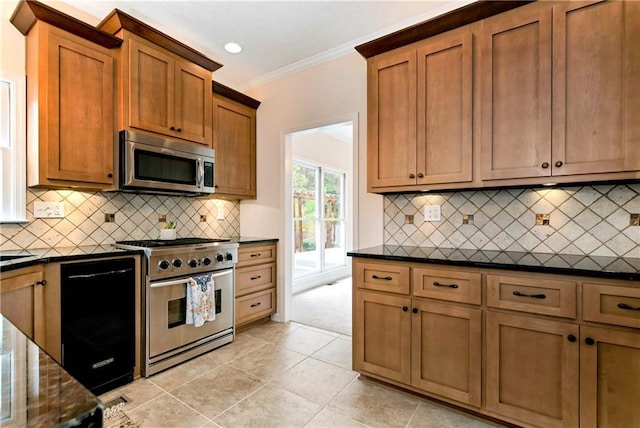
(13, 181)
(318, 219)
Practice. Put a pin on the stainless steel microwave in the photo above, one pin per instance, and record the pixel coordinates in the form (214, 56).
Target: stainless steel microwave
(150, 164)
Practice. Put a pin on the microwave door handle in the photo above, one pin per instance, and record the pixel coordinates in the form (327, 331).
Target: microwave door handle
(200, 176)
(169, 283)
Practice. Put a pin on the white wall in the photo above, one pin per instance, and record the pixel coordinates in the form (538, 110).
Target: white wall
(329, 93)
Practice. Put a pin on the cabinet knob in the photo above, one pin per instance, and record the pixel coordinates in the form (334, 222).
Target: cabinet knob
(43, 282)
(110, 175)
(405, 309)
(414, 310)
(420, 175)
(559, 164)
(173, 128)
(545, 165)
(412, 175)
(571, 338)
(589, 341)
(179, 129)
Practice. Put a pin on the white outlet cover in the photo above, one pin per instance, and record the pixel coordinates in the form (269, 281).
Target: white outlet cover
(432, 213)
(220, 215)
(48, 209)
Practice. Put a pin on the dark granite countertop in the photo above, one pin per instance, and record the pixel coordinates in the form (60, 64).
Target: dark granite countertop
(565, 264)
(48, 255)
(251, 240)
(40, 392)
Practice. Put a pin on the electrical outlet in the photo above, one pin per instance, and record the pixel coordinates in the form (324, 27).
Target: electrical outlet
(203, 218)
(408, 219)
(48, 209)
(432, 213)
(220, 215)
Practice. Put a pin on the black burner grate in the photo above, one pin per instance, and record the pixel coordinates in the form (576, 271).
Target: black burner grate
(150, 243)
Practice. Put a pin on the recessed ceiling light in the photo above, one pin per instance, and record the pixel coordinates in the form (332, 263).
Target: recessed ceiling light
(233, 48)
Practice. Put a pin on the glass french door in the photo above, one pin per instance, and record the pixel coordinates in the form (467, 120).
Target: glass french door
(318, 219)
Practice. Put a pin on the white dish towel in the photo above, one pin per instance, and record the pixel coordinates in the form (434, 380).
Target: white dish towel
(201, 300)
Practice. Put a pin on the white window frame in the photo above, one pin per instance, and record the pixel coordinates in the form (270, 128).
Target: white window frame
(13, 181)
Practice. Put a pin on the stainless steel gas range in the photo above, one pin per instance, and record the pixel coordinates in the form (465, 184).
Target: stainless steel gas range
(171, 264)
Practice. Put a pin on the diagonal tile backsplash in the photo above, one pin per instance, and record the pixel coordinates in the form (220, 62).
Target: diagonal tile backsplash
(136, 217)
(589, 220)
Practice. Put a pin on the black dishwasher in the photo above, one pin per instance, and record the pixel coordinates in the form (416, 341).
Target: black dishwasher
(98, 326)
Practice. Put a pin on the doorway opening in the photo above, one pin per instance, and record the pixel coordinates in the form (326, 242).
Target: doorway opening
(320, 195)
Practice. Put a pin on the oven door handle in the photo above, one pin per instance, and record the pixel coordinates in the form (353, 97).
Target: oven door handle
(185, 280)
(169, 283)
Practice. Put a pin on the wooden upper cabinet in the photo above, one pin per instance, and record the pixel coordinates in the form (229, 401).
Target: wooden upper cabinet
(234, 142)
(515, 74)
(71, 131)
(596, 87)
(166, 94)
(444, 134)
(392, 119)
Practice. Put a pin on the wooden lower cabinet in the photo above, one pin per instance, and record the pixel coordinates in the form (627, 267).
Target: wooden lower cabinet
(446, 350)
(382, 344)
(23, 301)
(532, 369)
(432, 346)
(255, 283)
(609, 378)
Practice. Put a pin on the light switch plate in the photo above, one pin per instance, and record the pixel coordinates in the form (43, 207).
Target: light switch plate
(432, 213)
(48, 209)
(220, 215)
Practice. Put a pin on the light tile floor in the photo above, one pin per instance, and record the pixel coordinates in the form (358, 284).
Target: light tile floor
(278, 375)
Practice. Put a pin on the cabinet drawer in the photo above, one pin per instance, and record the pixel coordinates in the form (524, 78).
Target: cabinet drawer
(256, 254)
(383, 277)
(256, 278)
(531, 294)
(449, 285)
(611, 304)
(254, 306)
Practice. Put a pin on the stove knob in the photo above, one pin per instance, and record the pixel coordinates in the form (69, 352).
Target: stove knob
(177, 263)
(164, 264)
(206, 261)
(219, 257)
(193, 263)
(229, 256)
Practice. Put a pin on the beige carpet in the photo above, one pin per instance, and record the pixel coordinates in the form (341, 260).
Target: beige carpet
(327, 307)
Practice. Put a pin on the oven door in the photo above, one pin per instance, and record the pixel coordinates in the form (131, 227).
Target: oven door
(168, 330)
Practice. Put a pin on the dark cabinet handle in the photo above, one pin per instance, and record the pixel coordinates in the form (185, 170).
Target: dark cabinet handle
(43, 282)
(589, 341)
(420, 175)
(110, 175)
(628, 307)
(533, 296)
(255, 304)
(545, 165)
(179, 129)
(414, 310)
(405, 309)
(385, 278)
(173, 128)
(559, 164)
(571, 338)
(437, 284)
(412, 175)
(256, 255)
(253, 278)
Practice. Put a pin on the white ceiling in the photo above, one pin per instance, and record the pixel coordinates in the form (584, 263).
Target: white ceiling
(278, 37)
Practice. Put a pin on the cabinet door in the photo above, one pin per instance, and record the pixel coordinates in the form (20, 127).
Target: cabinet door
(596, 88)
(234, 142)
(532, 370)
(391, 107)
(22, 303)
(151, 87)
(444, 135)
(193, 103)
(609, 378)
(382, 335)
(446, 350)
(515, 71)
(80, 125)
